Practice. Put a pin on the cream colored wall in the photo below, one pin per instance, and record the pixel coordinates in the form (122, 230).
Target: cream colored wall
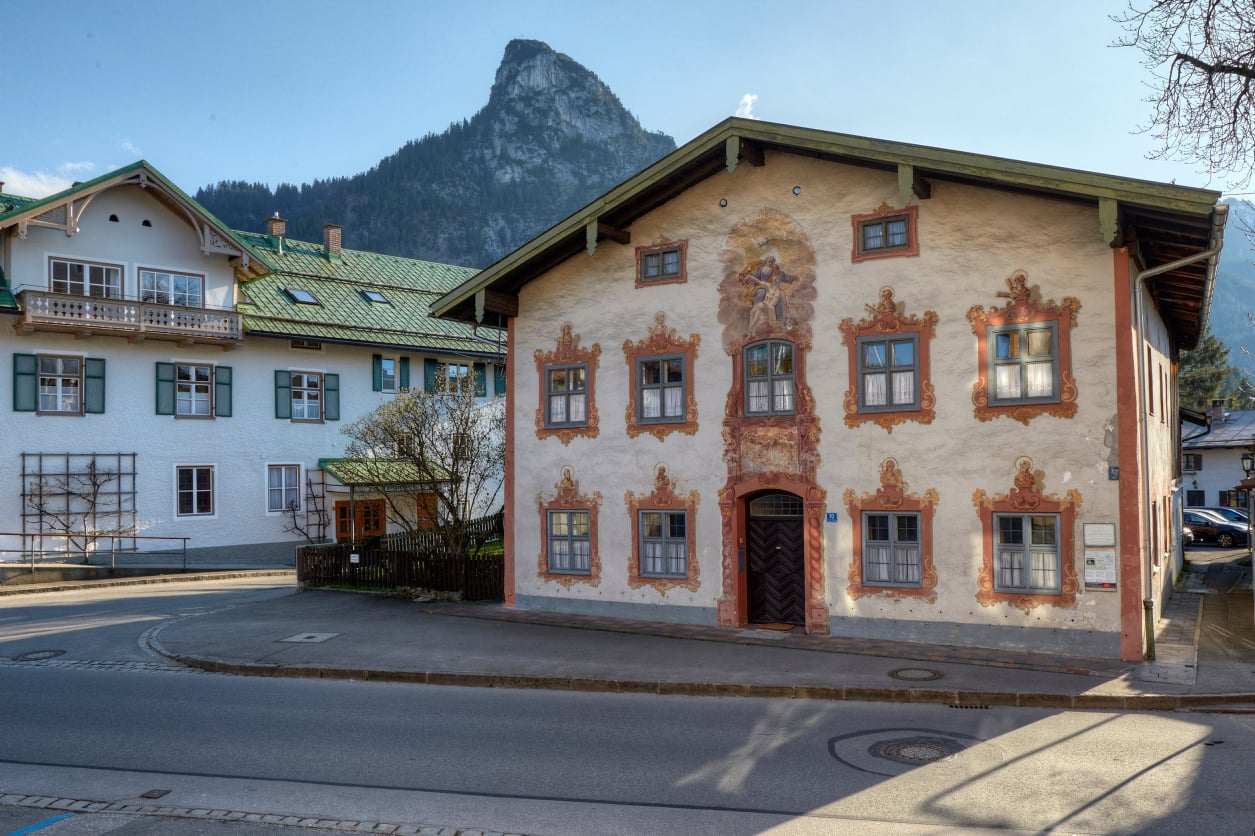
(971, 240)
(1159, 425)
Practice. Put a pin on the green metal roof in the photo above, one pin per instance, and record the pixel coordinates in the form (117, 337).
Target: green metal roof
(379, 472)
(344, 313)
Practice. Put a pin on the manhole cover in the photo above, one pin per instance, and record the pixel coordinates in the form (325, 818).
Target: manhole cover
(915, 750)
(37, 655)
(915, 674)
(310, 638)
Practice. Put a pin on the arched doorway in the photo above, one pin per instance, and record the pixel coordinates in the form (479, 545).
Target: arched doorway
(775, 559)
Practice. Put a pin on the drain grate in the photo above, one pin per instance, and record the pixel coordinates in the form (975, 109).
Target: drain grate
(154, 794)
(310, 638)
(37, 655)
(980, 707)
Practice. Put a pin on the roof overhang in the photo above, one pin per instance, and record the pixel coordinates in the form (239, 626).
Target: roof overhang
(63, 210)
(1161, 223)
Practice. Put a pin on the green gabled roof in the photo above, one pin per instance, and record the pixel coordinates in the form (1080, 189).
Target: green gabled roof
(386, 472)
(13, 209)
(344, 314)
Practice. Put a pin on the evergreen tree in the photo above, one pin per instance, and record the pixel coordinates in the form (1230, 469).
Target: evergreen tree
(1203, 373)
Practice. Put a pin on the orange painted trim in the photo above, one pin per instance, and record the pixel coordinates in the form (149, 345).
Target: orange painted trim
(663, 244)
(888, 320)
(662, 341)
(663, 498)
(568, 353)
(911, 213)
(1132, 634)
(568, 498)
(892, 498)
(507, 539)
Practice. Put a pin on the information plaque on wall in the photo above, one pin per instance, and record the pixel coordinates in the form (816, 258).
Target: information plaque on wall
(1100, 569)
(1100, 534)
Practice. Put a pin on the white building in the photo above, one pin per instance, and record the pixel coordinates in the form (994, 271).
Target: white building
(172, 378)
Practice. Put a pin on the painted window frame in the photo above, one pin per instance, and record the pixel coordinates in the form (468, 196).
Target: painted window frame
(171, 295)
(567, 499)
(664, 500)
(892, 498)
(283, 488)
(889, 372)
(895, 546)
(1020, 332)
(882, 218)
(567, 394)
(666, 538)
(659, 345)
(770, 380)
(113, 290)
(197, 472)
(647, 256)
(562, 529)
(888, 323)
(1026, 552)
(567, 353)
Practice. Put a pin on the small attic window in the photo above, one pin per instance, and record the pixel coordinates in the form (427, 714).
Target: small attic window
(146, 222)
(375, 296)
(113, 219)
(303, 297)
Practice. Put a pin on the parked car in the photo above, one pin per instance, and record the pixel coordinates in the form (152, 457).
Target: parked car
(1187, 536)
(1233, 515)
(1209, 529)
(1212, 514)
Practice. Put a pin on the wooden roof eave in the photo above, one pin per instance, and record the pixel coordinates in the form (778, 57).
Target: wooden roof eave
(708, 153)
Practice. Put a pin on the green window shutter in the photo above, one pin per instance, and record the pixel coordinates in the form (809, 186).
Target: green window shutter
(331, 397)
(404, 373)
(498, 380)
(431, 375)
(376, 372)
(222, 391)
(25, 382)
(165, 388)
(283, 394)
(479, 370)
(94, 385)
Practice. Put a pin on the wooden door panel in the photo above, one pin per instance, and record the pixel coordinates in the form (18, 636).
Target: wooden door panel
(776, 571)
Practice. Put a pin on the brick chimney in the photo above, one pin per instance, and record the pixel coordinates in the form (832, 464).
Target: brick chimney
(1217, 411)
(276, 227)
(331, 241)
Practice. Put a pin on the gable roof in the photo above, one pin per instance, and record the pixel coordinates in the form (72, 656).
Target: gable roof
(1162, 224)
(1236, 430)
(344, 314)
(61, 210)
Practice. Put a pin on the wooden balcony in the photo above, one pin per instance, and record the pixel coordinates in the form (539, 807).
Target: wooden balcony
(86, 316)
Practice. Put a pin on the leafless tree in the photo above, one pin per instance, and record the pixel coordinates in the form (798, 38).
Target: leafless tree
(310, 522)
(446, 445)
(1201, 54)
(70, 505)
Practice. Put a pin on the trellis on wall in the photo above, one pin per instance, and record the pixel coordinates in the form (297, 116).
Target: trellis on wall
(78, 502)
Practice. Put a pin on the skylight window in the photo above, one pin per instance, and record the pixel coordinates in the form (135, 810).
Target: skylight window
(375, 296)
(304, 297)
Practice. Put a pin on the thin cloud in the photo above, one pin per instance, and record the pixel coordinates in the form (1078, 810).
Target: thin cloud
(131, 148)
(745, 109)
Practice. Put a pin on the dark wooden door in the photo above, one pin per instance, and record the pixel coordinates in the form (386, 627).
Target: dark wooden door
(775, 568)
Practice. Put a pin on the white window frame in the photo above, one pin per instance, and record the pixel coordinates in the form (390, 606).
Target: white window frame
(162, 287)
(303, 404)
(198, 473)
(389, 374)
(188, 390)
(58, 391)
(284, 489)
(99, 280)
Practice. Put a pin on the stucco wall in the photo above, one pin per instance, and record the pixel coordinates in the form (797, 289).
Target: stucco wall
(971, 241)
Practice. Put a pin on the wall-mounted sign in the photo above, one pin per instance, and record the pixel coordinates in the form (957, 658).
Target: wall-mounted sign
(1100, 534)
(1100, 569)
(831, 516)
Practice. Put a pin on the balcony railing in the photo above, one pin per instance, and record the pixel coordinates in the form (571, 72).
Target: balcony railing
(89, 314)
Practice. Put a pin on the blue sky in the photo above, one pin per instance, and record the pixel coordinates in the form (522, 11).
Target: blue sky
(287, 91)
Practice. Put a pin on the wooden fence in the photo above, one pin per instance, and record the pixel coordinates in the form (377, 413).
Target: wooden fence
(413, 562)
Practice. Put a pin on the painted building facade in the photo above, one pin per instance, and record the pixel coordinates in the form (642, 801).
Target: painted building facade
(178, 379)
(792, 377)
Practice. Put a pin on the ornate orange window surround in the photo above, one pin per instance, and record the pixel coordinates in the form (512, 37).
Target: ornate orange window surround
(662, 341)
(1025, 306)
(568, 498)
(1027, 497)
(568, 352)
(887, 319)
(910, 213)
(892, 497)
(663, 498)
(662, 244)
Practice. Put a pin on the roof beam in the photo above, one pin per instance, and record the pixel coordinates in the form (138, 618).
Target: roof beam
(1109, 221)
(736, 149)
(910, 183)
(492, 301)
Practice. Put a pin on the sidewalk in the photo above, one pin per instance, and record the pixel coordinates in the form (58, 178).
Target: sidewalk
(1205, 652)
(341, 635)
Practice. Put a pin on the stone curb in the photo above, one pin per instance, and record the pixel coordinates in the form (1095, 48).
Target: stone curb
(1232, 703)
(142, 580)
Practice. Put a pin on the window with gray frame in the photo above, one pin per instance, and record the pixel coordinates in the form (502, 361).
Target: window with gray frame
(888, 371)
(1026, 553)
(660, 389)
(566, 396)
(884, 234)
(891, 549)
(570, 550)
(769, 384)
(1024, 363)
(664, 544)
(660, 264)
(1192, 462)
